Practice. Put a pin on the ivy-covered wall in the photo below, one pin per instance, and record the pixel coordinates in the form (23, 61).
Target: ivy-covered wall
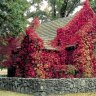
(73, 56)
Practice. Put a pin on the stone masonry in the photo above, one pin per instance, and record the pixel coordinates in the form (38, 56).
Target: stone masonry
(45, 87)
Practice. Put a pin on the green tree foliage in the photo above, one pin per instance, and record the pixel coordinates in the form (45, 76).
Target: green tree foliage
(68, 7)
(43, 15)
(58, 8)
(93, 5)
(62, 8)
(12, 20)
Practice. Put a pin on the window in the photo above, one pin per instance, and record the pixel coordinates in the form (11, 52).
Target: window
(69, 55)
(95, 48)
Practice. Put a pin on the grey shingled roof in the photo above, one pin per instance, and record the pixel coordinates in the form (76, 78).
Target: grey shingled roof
(47, 31)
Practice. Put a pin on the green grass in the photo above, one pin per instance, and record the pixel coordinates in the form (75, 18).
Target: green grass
(9, 93)
(77, 94)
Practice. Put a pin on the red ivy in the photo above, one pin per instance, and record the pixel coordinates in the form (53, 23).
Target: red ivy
(74, 57)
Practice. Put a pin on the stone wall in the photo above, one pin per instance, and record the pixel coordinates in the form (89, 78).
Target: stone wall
(42, 87)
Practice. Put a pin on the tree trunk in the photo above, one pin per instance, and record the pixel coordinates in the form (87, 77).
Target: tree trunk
(54, 9)
(63, 8)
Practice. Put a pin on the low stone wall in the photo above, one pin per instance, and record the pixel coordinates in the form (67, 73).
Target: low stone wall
(43, 87)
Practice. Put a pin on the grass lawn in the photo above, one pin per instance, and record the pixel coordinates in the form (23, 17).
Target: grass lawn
(9, 93)
(77, 94)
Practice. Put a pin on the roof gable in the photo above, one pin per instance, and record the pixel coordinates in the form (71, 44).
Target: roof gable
(64, 29)
(67, 34)
(48, 31)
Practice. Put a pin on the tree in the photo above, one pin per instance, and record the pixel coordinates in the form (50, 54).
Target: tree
(68, 7)
(43, 15)
(62, 8)
(93, 5)
(58, 8)
(12, 20)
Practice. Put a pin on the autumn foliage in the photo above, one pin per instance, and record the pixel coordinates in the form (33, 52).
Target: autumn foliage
(7, 44)
(74, 57)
